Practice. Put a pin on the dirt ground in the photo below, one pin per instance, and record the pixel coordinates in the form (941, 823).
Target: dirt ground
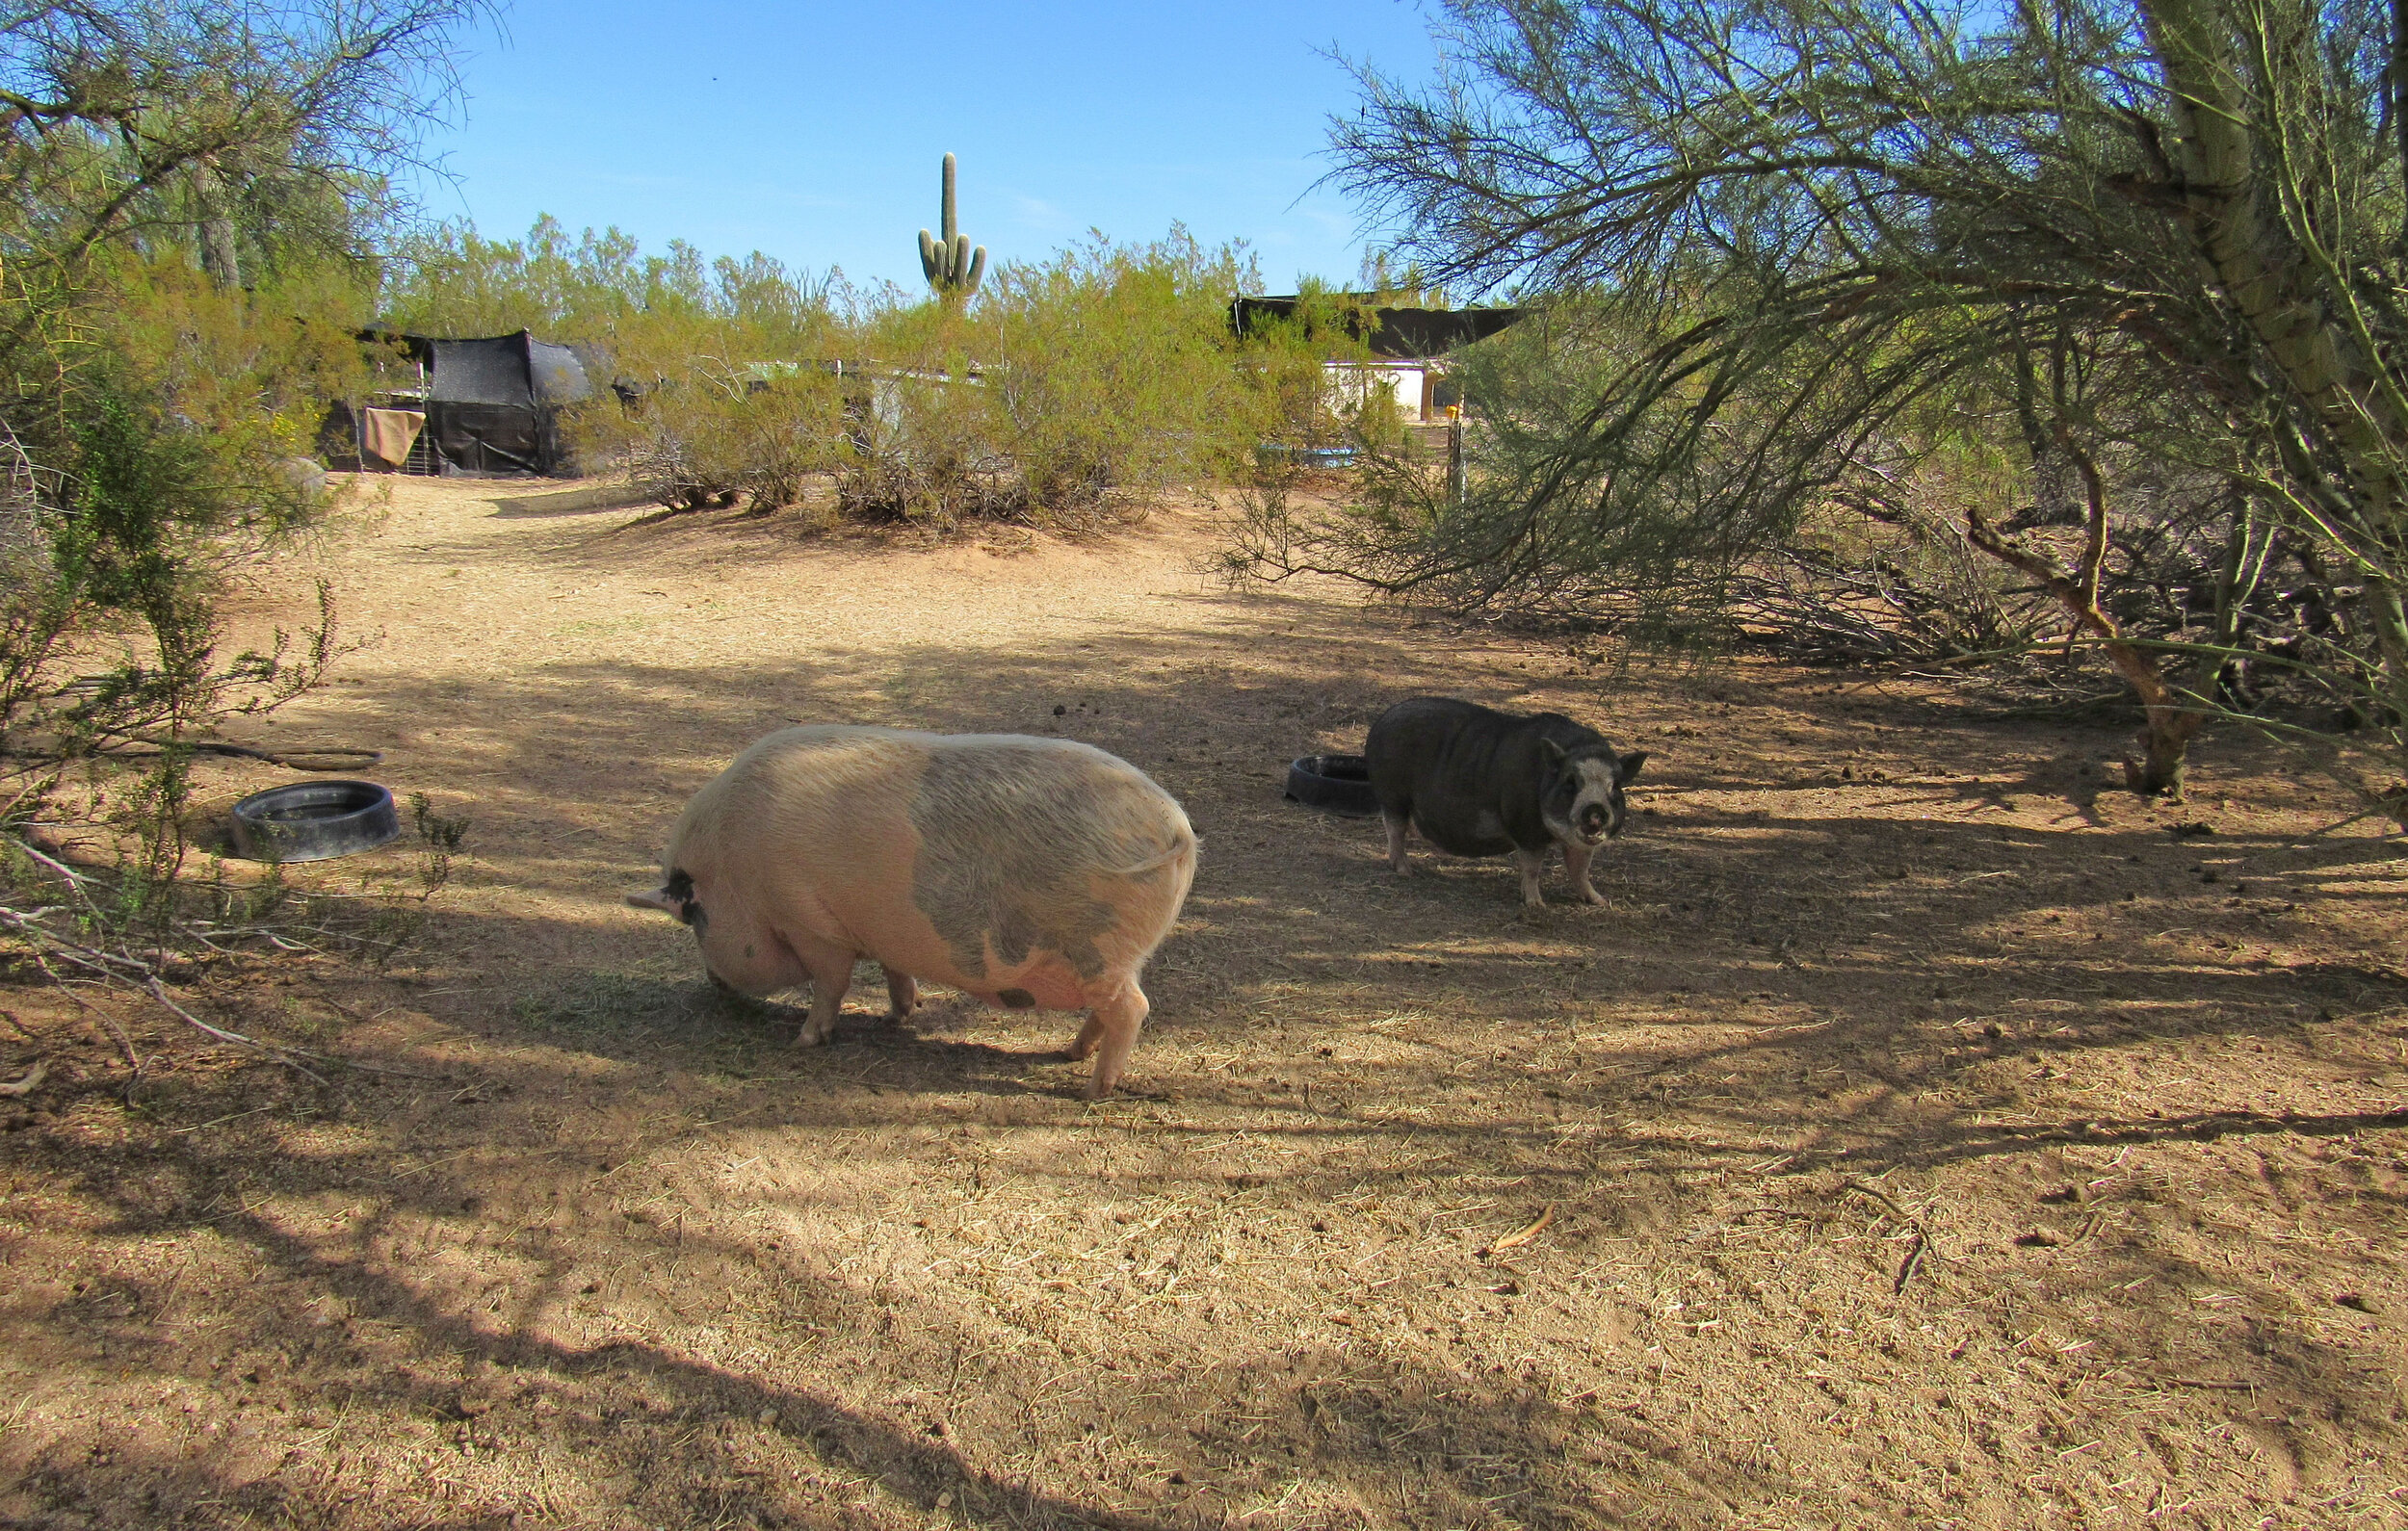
(1924, 1135)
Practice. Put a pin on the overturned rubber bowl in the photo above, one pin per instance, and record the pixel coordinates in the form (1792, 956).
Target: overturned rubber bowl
(1339, 784)
(315, 821)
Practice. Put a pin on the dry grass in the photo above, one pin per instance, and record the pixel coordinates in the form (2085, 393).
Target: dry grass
(1929, 1141)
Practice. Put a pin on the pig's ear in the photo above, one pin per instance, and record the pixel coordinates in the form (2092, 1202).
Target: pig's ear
(1551, 752)
(1630, 763)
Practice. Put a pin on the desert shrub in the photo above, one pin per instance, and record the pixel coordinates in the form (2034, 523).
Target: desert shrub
(1113, 367)
(714, 431)
(1066, 391)
(1069, 390)
(721, 392)
(448, 279)
(710, 382)
(927, 446)
(1927, 234)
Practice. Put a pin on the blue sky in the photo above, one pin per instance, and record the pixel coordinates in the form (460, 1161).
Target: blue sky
(814, 132)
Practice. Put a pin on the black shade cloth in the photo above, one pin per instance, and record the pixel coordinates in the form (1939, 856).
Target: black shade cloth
(557, 373)
(492, 404)
(483, 440)
(1400, 333)
(480, 371)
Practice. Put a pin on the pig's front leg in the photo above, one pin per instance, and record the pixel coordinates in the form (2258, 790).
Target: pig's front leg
(831, 974)
(1576, 855)
(1530, 863)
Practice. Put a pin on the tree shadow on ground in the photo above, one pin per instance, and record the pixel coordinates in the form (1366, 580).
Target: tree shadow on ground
(333, 1324)
(1786, 992)
(1793, 927)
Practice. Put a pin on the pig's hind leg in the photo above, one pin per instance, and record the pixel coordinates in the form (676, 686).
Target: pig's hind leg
(1111, 1033)
(903, 995)
(1398, 825)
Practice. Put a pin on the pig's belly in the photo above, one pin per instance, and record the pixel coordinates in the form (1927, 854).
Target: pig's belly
(1480, 836)
(1043, 979)
(1039, 986)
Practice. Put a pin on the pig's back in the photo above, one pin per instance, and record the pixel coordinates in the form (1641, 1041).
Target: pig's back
(955, 857)
(1453, 767)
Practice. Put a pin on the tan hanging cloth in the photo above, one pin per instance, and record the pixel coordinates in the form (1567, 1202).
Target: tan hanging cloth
(387, 433)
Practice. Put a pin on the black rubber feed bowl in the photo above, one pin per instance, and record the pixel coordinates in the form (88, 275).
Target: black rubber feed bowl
(315, 821)
(1341, 784)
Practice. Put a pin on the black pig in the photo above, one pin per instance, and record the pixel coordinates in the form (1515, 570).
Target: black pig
(1482, 783)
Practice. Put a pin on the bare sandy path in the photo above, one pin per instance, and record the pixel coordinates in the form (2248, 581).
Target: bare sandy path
(1923, 1136)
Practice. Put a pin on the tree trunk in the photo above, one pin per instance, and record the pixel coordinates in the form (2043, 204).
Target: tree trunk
(2222, 115)
(220, 255)
(2168, 728)
(2171, 724)
(2382, 603)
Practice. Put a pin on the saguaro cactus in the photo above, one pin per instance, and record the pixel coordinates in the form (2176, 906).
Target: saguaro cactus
(953, 268)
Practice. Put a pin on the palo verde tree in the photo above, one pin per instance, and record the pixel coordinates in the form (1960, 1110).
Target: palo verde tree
(2148, 256)
(174, 174)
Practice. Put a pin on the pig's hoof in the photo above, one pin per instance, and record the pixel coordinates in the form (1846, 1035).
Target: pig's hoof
(1591, 896)
(1100, 1088)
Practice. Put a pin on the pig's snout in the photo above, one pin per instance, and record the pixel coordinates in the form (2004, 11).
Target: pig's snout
(1597, 823)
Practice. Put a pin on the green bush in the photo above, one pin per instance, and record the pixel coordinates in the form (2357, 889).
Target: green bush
(1071, 390)
(1065, 392)
(186, 192)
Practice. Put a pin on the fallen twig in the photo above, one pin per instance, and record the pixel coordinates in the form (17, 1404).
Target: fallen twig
(158, 991)
(338, 757)
(126, 1044)
(1923, 1236)
(1517, 1240)
(2207, 1383)
(26, 1085)
(74, 879)
(83, 956)
(288, 1056)
(125, 969)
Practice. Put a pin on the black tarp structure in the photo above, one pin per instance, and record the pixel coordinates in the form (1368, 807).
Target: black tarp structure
(493, 405)
(1404, 334)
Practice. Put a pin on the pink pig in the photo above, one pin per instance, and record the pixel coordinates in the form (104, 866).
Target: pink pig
(1026, 872)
